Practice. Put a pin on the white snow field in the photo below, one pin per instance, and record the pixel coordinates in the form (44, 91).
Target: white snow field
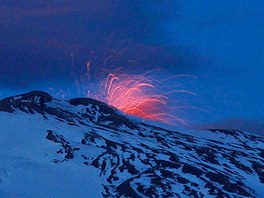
(84, 148)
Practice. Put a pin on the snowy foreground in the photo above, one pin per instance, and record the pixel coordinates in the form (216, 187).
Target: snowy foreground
(84, 148)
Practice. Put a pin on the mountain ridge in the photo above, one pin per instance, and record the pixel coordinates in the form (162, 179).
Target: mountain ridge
(133, 158)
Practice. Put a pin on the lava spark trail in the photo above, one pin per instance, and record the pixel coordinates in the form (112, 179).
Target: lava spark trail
(136, 95)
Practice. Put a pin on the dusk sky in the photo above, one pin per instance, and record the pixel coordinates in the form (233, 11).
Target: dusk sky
(219, 42)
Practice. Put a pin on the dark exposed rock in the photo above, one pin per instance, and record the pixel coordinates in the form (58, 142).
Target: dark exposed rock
(65, 145)
(182, 180)
(51, 137)
(261, 154)
(69, 155)
(126, 190)
(259, 168)
(192, 170)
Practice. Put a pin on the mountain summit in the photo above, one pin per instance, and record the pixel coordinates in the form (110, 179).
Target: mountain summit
(85, 148)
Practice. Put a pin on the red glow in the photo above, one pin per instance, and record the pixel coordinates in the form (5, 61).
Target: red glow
(137, 95)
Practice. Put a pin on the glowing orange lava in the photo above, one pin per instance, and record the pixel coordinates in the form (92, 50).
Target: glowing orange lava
(136, 95)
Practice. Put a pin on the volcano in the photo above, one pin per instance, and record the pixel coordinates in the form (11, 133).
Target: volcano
(86, 148)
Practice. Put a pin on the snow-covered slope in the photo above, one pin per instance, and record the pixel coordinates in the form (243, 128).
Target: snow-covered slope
(84, 148)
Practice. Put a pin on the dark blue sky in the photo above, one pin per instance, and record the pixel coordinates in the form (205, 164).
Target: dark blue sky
(220, 42)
